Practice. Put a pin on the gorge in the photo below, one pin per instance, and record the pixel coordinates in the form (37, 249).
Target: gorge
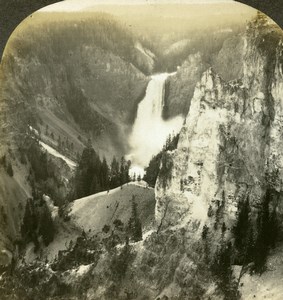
(210, 227)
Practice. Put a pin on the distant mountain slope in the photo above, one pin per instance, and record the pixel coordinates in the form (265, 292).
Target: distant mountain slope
(64, 76)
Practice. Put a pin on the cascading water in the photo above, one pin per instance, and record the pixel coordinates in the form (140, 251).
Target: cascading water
(150, 130)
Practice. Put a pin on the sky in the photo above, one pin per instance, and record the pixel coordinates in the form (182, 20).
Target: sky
(80, 5)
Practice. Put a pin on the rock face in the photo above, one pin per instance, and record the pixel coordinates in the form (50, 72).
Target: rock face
(230, 146)
(179, 89)
(227, 62)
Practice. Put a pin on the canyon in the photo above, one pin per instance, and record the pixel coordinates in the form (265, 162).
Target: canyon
(213, 221)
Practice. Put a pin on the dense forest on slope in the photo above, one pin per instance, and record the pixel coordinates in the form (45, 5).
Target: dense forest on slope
(77, 30)
(54, 83)
(94, 175)
(17, 11)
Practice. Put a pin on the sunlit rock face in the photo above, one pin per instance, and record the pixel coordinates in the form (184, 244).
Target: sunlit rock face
(230, 147)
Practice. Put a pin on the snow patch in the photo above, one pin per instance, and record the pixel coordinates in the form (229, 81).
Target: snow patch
(83, 269)
(55, 153)
(33, 130)
(80, 203)
(144, 51)
(52, 208)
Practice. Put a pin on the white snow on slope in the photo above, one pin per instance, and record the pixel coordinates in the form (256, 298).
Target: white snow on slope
(79, 203)
(33, 130)
(53, 209)
(144, 51)
(91, 213)
(81, 270)
(55, 153)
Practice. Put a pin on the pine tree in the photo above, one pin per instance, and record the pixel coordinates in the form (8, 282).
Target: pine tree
(274, 228)
(134, 224)
(87, 173)
(104, 174)
(46, 129)
(222, 268)
(242, 226)
(223, 228)
(210, 211)
(94, 186)
(29, 225)
(129, 163)
(122, 173)
(262, 244)
(204, 233)
(152, 170)
(266, 232)
(181, 185)
(10, 169)
(114, 173)
(46, 227)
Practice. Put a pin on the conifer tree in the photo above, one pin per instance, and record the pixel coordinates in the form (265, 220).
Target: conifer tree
(134, 224)
(10, 169)
(262, 243)
(104, 174)
(46, 227)
(28, 222)
(242, 225)
(114, 173)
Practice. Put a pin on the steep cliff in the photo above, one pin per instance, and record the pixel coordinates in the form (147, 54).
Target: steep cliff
(225, 57)
(223, 183)
(231, 141)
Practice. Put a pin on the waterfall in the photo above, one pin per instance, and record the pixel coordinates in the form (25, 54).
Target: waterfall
(150, 130)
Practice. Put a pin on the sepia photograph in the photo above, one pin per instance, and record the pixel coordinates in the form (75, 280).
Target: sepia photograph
(141, 152)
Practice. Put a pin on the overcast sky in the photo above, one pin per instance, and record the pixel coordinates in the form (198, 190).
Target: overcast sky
(78, 5)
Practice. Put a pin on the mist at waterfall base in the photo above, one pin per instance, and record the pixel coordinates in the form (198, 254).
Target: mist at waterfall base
(150, 131)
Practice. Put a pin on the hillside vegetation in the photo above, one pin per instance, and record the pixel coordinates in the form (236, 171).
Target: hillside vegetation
(64, 85)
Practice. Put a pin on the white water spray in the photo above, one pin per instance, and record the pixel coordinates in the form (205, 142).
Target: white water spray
(150, 130)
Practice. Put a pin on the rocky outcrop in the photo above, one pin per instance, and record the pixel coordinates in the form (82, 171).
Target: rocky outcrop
(179, 88)
(227, 62)
(230, 147)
